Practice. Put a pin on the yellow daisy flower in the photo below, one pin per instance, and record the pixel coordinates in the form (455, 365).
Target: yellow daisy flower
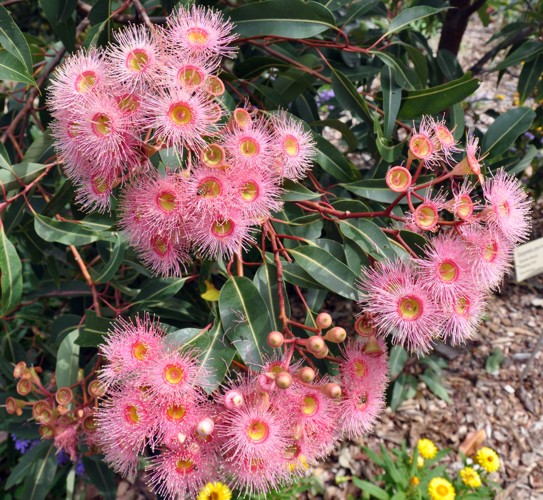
(440, 489)
(488, 459)
(215, 491)
(470, 477)
(427, 448)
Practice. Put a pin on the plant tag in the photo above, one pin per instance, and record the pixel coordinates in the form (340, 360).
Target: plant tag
(529, 259)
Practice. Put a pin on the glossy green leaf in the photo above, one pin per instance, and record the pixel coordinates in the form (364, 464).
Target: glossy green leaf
(416, 242)
(436, 99)
(370, 489)
(389, 152)
(101, 476)
(356, 258)
(68, 233)
(245, 319)
(20, 174)
(326, 270)
(41, 476)
(368, 236)
(295, 191)
(11, 281)
(13, 40)
(265, 281)
(529, 76)
(13, 70)
(403, 388)
(501, 135)
(288, 18)
(526, 52)
(67, 360)
(64, 29)
(334, 162)
(458, 121)
(410, 15)
(107, 272)
(349, 98)
(376, 189)
(523, 164)
(94, 330)
(397, 359)
(159, 289)
(26, 463)
(404, 76)
(215, 352)
(392, 98)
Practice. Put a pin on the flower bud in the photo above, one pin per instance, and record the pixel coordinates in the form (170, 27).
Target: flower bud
(64, 396)
(19, 369)
(336, 335)
(306, 374)
(283, 380)
(372, 346)
(331, 390)
(46, 432)
(322, 354)
(24, 387)
(205, 427)
(315, 344)
(323, 320)
(15, 406)
(364, 326)
(275, 339)
(181, 437)
(233, 399)
(266, 382)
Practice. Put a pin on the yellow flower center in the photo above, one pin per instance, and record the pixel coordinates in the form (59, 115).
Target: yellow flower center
(180, 113)
(249, 147)
(464, 207)
(442, 490)
(166, 201)
(421, 146)
(258, 431)
(139, 350)
(462, 306)
(184, 466)
(399, 179)
(197, 36)
(490, 252)
(359, 368)
(131, 414)
(242, 117)
(426, 216)
(85, 81)
(129, 103)
(223, 228)
(448, 271)
(176, 412)
(209, 188)
(410, 308)
(190, 76)
(444, 136)
(291, 146)
(101, 124)
(214, 86)
(503, 209)
(137, 60)
(99, 185)
(310, 406)
(249, 191)
(173, 374)
(213, 155)
(160, 245)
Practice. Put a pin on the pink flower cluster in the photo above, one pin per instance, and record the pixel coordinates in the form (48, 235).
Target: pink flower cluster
(443, 294)
(160, 93)
(262, 430)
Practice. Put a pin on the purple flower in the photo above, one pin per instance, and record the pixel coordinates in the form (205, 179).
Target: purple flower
(529, 136)
(24, 445)
(79, 467)
(62, 458)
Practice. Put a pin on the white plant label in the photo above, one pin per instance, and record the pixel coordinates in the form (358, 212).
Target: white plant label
(529, 259)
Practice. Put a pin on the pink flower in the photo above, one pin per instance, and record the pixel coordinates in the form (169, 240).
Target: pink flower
(401, 306)
(209, 190)
(295, 147)
(189, 73)
(423, 144)
(359, 409)
(256, 476)
(445, 141)
(463, 204)
(94, 193)
(426, 215)
(508, 206)
(165, 253)
(198, 30)
(257, 193)
(357, 368)
(65, 439)
(129, 347)
(462, 316)
(446, 270)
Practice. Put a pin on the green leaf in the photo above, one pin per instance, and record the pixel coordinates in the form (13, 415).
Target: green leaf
(526, 52)
(94, 331)
(13, 40)
(416, 242)
(370, 488)
(396, 361)
(529, 76)
(245, 319)
(501, 135)
(401, 388)
(20, 174)
(25, 464)
(215, 354)
(13, 70)
(434, 384)
(159, 289)
(107, 272)
(392, 98)
(101, 476)
(349, 98)
(436, 99)
(523, 164)
(404, 75)
(368, 236)
(11, 282)
(494, 361)
(265, 281)
(334, 162)
(295, 191)
(41, 477)
(326, 270)
(67, 360)
(288, 18)
(410, 15)
(68, 233)
(374, 457)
